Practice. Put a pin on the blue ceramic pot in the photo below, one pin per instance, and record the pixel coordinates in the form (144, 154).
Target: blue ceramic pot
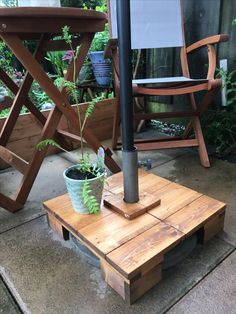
(101, 68)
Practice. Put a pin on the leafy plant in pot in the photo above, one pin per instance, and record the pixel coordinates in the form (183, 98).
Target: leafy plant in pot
(85, 180)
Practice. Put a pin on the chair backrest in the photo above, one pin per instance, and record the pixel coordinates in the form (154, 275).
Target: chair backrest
(154, 23)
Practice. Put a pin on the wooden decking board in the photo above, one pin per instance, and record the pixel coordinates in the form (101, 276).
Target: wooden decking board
(116, 180)
(62, 209)
(131, 211)
(148, 182)
(132, 255)
(112, 231)
(196, 214)
(173, 197)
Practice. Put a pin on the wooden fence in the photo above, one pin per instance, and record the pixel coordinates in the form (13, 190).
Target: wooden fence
(202, 18)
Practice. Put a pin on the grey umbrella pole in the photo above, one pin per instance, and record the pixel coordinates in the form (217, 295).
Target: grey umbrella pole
(129, 152)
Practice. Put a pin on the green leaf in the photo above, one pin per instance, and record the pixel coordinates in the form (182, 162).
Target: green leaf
(43, 144)
(90, 200)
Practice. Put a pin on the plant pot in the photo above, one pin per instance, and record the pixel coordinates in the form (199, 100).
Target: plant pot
(86, 73)
(101, 68)
(75, 190)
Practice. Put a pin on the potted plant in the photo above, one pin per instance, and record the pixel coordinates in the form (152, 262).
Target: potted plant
(101, 67)
(85, 180)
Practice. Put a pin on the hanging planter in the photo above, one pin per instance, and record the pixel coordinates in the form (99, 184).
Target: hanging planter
(101, 68)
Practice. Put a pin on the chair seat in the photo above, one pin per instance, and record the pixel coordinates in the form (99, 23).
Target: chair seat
(168, 80)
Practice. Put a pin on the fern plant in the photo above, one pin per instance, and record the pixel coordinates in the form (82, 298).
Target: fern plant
(84, 164)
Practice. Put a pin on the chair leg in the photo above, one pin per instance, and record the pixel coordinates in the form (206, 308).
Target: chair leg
(202, 147)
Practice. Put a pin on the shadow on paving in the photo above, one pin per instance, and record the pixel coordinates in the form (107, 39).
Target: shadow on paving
(61, 281)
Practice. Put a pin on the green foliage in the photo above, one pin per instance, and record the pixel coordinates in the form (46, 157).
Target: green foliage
(227, 78)
(43, 144)
(66, 35)
(90, 4)
(6, 59)
(89, 199)
(55, 58)
(100, 40)
(219, 128)
(234, 22)
(10, 3)
(90, 108)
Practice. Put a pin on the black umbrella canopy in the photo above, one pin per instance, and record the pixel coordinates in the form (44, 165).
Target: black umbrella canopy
(129, 153)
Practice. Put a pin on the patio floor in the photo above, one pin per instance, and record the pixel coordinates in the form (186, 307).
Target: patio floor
(43, 274)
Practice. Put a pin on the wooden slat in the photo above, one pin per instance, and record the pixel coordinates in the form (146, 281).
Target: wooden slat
(113, 230)
(22, 142)
(214, 226)
(137, 288)
(113, 278)
(13, 160)
(173, 197)
(148, 182)
(130, 211)
(62, 209)
(168, 144)
(115, 182)
(196, 214)
(130, 258)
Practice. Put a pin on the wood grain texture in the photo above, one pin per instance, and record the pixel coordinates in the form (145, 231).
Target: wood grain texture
(148, 182)
(113, 230)
(27, 130)
(113, 278)
(115, 182)
(57, 227)
(131, 211)
(213, 227)
(137, 288)
(62, 209)
(196, 214)
(173, 197)
(130, 257)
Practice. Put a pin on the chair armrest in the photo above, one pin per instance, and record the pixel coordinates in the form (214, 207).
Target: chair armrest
(112, 44)
(207, 41)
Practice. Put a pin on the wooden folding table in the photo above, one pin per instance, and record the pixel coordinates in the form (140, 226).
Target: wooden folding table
(42, 25)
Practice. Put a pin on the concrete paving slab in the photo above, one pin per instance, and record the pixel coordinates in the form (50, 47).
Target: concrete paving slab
(51, 276)
(49, 183)
(7, 303)
(216, 294)
(219, 182)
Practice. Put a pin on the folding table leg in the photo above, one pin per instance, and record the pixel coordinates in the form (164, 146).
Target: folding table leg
(20, 99)
(62, 106)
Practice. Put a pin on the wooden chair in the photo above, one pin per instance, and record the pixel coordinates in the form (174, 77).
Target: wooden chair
(157, 24)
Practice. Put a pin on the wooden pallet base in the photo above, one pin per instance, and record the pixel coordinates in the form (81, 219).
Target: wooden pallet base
(131, 252)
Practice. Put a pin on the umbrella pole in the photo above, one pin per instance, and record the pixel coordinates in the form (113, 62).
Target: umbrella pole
(129, 152)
